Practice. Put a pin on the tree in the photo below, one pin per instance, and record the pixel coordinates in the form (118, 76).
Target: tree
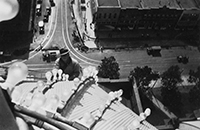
(143, 76)
(171, 96)
(194, 93)
(109, 68)
(172, 76)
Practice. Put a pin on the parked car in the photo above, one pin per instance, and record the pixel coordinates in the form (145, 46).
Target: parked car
(38, 10)
(50, 55)
(153, 49)
(182, 59)
(48, 10)
(41, 27)
(52, 3)
(46, 18)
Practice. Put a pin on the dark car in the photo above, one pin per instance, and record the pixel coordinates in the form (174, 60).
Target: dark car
(182, 59)
(38, 10)
(153, 49)
(52, 3)
(46, 18)
(39, 1)
(50, 55)
(48, 10)
(41, 27)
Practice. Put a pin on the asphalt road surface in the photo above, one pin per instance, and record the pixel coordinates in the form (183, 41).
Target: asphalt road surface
(126, 59)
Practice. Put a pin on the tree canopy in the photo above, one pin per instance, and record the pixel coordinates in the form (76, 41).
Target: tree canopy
(172, 76)
(194, 94)
(194, 76)
(143, 76)
(109, 68)
(171, 97)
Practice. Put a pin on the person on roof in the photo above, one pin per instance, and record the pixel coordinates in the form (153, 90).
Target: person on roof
(68, 65)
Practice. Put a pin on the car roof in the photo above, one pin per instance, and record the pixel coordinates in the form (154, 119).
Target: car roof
(38, 5)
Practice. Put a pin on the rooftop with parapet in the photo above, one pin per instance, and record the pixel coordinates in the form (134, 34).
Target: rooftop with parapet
(177, 4)
(108, 3)
(159, 3)
(130, 3)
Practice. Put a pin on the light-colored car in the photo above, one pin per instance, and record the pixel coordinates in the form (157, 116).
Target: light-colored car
(41, 27)
(38, 10)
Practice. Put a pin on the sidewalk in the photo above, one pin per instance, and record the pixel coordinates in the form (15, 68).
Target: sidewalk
(84, 23)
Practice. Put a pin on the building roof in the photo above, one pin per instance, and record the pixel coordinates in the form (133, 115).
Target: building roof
(173, 4)
(130, 3)
(160, 3)
(89, 100)
(116, 117)
(185, 4)
(188, 4)
(108, 3)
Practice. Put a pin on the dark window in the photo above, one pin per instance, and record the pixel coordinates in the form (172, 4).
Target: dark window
(105, 15)
(194, 17)
(109, 15)
(185, 17)
(99, 16)
(115, 15)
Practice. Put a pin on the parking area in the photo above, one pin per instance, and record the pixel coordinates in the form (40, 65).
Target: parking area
(42, 13)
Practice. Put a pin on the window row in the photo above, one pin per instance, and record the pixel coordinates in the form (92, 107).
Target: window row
(106, 15)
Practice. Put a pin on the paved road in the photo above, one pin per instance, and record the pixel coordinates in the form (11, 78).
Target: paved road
(127, 59)
(130, 59)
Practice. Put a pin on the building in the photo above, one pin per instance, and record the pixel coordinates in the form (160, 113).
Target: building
(145, 14)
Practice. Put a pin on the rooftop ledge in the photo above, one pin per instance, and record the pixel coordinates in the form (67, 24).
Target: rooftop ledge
(107, 80)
